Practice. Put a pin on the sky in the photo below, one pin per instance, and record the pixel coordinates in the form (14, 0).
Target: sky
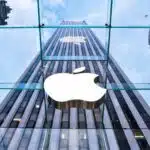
(129, 47)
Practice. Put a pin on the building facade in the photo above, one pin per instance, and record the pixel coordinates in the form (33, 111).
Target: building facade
(29, 119)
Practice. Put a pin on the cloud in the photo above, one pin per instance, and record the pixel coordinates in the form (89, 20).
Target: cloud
(50, 11)
(131, 12)
(49, 17)
(23, 12)
(56, 2)
(96, 18)
(120, 7)
(21, 4)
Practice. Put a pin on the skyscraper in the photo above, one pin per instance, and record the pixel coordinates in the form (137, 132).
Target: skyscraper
(28, 121)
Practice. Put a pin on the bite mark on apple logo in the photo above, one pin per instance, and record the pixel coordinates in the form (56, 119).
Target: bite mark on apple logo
(73, 90)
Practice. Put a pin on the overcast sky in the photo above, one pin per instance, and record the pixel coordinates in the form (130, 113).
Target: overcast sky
(128, 46)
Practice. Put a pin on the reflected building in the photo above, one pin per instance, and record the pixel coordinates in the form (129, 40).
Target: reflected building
(29, 122)
(4, 11)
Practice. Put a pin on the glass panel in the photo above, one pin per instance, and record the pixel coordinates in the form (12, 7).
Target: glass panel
(74, 44)
(134, 13)
(18, 56)
(93, 12)
(129, 58)
(22, 13)
(74, 34)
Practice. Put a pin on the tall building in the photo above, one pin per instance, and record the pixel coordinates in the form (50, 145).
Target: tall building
(4, 10)
(28, 121)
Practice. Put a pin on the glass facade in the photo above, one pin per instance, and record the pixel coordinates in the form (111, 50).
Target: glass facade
(54, 40)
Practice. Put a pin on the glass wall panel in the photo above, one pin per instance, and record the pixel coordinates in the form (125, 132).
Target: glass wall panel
(74, 44)
(18, 57)
(42, 38)
(55, 12)
(131, 13)
(129, 57)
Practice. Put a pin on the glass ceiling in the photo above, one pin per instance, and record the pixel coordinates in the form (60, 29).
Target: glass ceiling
(121, 26)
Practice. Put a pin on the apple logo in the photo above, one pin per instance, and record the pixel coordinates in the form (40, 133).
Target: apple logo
(76, 89)
(73, 39)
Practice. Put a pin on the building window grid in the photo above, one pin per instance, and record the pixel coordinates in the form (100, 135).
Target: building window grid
(109, 27)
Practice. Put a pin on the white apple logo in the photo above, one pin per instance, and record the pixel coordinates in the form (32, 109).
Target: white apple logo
(63, 87)
(73, 39)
